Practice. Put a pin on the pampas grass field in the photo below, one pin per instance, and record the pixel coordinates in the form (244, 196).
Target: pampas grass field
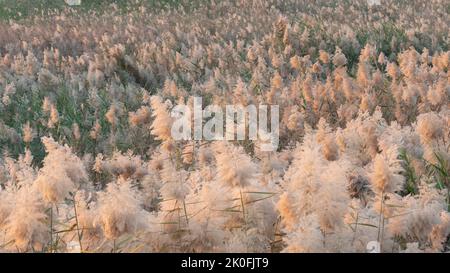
(88, 162)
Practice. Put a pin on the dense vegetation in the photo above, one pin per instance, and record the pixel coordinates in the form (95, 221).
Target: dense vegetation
(88, 162)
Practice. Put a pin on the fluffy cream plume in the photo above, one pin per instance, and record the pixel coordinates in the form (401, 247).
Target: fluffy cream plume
(368, 53)
(188, 153)
(316, 68)
(440, 233)
(98, 163)
(277, 81)
(392, 70)
(9, 91)
(76, 131)
(250, 241)
(95, 131)
(211, 198)
(86, 217)
(422, 218)
(306, 238)
(119, 210)
(311, 178)
(124, 165)
(47, 79)
(113, 114)
(386, 174)
(162, 120)
(61, 174)
(175, 184)
(295, 120)
(6, 205)
(54, 185)
(28, 134)
(26, 225)
(326, 138)
(141, 116)
(234, 167)
(54, 117)
(295, 62)
(339, 58)
(437, 94)
(381, 58)
(324, 56)
(429, 127)
(205, 156)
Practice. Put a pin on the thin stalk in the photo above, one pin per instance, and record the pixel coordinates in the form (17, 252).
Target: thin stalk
(78, 227)
(356, 228)
(185, 212)
(51, 228)
(381, 220)
(448, 197)
(242, 204)
(382, 231)
(179, 218)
